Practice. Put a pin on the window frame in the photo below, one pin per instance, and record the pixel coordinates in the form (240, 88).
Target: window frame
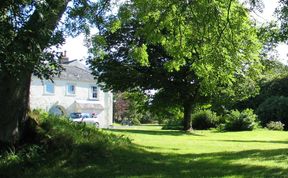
(46, 84)
(91, 91)
(67, 89)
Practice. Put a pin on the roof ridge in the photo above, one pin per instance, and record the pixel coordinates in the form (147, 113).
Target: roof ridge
(84, 74)
(86, 70)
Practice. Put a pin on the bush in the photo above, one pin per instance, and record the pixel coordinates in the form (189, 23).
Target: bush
(61, 139)
(171, 117)
(149, 118)
(204, 119)
(274, 109)
(239, 121)
(173, 124)
(135, 121)
(130, 121)
(275, 125)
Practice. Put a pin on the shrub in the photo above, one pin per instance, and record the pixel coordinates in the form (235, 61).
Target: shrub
(204, 119)
(171, 117)
(61, 139)
(149, 118)
(173, 124)
(274, 109)
(275, 125)
(239, 121)
(130, 121)
(135, 121)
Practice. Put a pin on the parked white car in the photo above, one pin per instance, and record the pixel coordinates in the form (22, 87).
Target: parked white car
(84, 117)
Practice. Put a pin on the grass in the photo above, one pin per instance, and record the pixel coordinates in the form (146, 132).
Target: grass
(83, 151)
(259, 153)
(153, 139)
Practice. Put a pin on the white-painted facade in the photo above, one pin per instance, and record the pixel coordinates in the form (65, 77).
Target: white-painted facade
(71, 94)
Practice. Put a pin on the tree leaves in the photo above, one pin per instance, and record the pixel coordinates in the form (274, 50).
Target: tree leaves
(193, 49)
(29, 30)
(139, 54)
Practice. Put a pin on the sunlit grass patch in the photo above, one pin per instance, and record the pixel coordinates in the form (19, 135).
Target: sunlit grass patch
(78, 150)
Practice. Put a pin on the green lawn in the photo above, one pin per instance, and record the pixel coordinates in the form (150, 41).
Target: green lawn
(85, 152)
(258, 153)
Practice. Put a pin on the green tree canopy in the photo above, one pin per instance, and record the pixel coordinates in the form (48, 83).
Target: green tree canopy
(188, 51)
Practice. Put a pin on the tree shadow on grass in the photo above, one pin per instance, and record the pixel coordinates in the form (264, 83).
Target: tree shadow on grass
(136, 162)
(256, 141)
(157, 148)
(156, 132)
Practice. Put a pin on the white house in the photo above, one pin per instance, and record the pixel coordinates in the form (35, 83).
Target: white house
(75, 90)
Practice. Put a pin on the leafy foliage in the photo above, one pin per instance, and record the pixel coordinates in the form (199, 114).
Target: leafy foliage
(275, 125)
(205, 119)
(239, 121)
(273, 83)
(120, 107)
(273, 108)
(171, 117)
(29, 30)
(57, 137)
(282, 14)
(269, 35)
(165, 114)
(276, 87)
(132, 106)
(173, 124)
(188, 51)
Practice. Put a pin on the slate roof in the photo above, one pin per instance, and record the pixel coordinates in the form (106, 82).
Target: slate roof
(76, 71)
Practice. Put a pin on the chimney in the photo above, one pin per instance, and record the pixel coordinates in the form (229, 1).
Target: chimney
(64, 59)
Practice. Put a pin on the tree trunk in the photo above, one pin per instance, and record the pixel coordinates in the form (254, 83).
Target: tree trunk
(14, 90)
(14, 105)
(188, 108)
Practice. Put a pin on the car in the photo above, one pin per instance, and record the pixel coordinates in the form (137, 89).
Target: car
(84, 117)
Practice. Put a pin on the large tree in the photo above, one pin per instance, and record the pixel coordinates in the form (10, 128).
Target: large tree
(186, 51)
(28, 29)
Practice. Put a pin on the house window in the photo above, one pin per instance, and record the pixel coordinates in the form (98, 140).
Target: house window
(70, 89)
(94, 92)
(49, 88)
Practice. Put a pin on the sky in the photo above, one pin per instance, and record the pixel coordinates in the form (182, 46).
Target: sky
(268, 10)
(267, 15)
(76, 50)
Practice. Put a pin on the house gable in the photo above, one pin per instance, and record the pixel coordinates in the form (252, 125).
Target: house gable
(75, 90)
